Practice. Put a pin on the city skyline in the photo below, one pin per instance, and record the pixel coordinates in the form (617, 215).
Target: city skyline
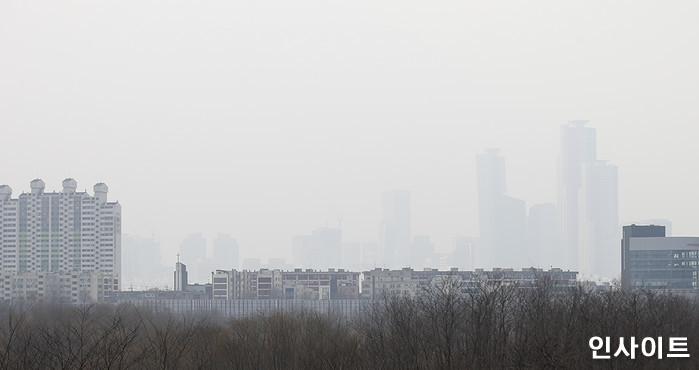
(396, 205)
(349, 184)
(502, 219)
(244, 119)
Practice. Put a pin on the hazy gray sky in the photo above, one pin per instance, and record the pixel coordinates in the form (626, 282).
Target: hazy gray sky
(266, 119)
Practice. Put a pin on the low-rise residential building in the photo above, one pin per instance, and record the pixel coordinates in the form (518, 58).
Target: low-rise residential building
(277, 284)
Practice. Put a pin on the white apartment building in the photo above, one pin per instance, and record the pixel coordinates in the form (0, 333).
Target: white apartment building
(60, 232)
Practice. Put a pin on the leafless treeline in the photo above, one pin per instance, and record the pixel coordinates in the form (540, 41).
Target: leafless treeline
(495, 326)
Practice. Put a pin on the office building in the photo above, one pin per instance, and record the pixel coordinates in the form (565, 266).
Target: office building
(421, 251)
(598, 228)
(542, 241)
(226, 251)
(193, 248)
(193, 253)
(395, 229)
(578, 146)
(502, 219)
(650, 260)
(64, 233)
(141, 262)
(320, 250)
(463, 255)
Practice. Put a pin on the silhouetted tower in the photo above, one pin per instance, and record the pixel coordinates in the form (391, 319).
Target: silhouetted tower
(502, 219)
(226, 251)
(395, 235)
(598, 230)
(578, 146)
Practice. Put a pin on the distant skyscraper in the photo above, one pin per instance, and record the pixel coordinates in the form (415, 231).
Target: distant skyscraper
(193, 248)
(422, 249)
(226, 252)
(502, 219)
(395, 234)
(578, 146)
(542, 240)
(193, 251)
(141, 260)
(463, 255)
(598, 231)
(320, 250)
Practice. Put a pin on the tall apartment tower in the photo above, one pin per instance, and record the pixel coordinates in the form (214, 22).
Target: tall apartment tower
(578, 147)
(502, 219)
(395, 233)
(598, 223)
(60, 232)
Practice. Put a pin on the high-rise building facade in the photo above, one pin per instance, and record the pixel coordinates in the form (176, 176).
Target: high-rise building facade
(395, 231)
(588, 205)
(141, 265)
(598, 222)
(464, 253)
(321, 249)
(421, 250)
(226, 251)
(193, 253)
(502, 219)
(193, 248)
(61, 232)
(578, 146)
(542, 241)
